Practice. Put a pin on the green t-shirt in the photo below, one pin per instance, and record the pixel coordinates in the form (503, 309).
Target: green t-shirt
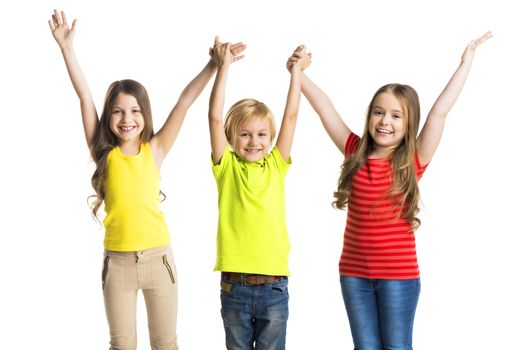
(252, 235)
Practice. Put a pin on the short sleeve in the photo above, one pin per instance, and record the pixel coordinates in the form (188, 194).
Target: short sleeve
(277, 160)
(218, 169)
(351, 144)
(420, 169)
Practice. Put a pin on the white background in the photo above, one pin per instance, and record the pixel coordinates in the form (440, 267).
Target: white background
(470, 244)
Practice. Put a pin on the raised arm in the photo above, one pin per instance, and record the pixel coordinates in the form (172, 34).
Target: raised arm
(430, 135)
(223, 54)
(291, 110)
(321, 103)
(164, 139)
(64, 36)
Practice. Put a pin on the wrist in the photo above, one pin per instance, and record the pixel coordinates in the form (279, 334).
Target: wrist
(223, 66)
(296, 69)
(212, 64)
(66, 48)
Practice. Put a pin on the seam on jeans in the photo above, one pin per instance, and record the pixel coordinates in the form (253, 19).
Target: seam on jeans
(168, 267)
(411, 326)
(105, 270)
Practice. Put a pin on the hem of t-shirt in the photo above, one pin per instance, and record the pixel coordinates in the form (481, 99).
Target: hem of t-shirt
(265, 272)
(138, 247)
(381, 277)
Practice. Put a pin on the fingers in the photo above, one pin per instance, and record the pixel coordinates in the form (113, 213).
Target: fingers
(63, 15)
(226, 52)
(476, 42)
(236, 58)
(300, 58)
(74, 25)
(57, 18)
(484, 38)
(237, 48)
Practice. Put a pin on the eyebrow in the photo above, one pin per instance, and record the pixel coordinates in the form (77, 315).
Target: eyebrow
(124, 108)
(253, 132)
(394, 110)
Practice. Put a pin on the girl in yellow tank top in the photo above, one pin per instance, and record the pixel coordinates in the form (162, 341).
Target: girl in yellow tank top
(128, 156)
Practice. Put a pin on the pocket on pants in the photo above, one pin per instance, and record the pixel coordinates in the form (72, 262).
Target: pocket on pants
(280, 287)
(105, 269)
(164, 275)
(168, 267)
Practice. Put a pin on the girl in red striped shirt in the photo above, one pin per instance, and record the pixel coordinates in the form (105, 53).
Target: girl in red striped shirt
(378, 185)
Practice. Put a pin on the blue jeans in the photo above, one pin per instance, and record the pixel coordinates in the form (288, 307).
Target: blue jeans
(254, 316)
(381, 312)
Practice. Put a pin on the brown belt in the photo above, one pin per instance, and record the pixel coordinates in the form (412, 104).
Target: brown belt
(250, 279)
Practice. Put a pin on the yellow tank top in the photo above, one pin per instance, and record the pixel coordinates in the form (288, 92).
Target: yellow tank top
(134, 220)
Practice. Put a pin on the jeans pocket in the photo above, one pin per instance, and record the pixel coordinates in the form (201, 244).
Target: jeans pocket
(226, 287)
(105, 270)
(168, 267)
(280, 287)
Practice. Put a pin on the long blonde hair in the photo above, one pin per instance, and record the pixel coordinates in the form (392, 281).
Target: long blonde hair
(405, 190)
(104, 140)
(242, 110)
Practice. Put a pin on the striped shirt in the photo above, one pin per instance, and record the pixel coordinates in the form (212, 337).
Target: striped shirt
(377, 244)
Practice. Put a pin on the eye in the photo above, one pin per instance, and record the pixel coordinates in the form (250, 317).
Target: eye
(243, 134)
(397, 116)
(378, 112)
(116, 111)
(262, 134)
(136, 111)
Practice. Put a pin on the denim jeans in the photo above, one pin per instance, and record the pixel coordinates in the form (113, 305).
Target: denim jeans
(381, 312)
(254, 316)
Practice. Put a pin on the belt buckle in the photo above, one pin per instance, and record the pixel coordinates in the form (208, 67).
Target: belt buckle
(250, 280)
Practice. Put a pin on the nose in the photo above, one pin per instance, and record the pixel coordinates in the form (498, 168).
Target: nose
(385, 120)
(126, 116)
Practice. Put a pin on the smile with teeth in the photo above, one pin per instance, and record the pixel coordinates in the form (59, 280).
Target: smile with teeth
(383, 131)
(126, 128)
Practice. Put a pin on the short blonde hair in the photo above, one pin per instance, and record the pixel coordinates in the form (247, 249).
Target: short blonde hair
(243, 110)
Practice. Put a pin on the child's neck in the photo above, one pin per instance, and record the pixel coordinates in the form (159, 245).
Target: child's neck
(380, 152)
(129, 148)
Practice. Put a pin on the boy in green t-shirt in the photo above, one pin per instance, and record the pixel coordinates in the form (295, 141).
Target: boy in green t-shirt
(252, 240)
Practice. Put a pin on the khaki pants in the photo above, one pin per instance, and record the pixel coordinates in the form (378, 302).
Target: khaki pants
(153, 271)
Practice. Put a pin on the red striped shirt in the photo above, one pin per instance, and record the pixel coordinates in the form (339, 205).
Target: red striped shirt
(377, 244)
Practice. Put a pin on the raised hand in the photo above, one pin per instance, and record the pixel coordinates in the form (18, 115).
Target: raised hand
(64, 37)
(226, 52)
(300, 57)
(468, 55)
(430, 135)
(60, 29)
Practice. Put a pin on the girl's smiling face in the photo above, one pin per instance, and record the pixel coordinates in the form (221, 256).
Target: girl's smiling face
(126, 120)
(386, 124)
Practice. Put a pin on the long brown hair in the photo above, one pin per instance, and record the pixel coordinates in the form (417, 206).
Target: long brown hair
(405, 190)
(104, 140)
